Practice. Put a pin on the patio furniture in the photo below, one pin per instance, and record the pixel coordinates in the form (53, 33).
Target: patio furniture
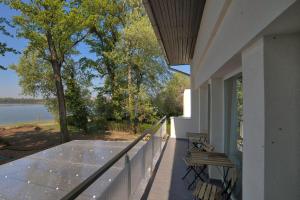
(204, 148)
(207, 191)
(198, 161)
(196, 138)
(198, 170)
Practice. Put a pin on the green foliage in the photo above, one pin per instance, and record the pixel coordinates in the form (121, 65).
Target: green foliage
(170, 99)
(53, 28)
(36, 79)
(128, 59)
(35, 76)
(142, 67)
(102, 111)
(239, 88)
(105, 34)
(76, 103)
(3, 46)
(124, 126)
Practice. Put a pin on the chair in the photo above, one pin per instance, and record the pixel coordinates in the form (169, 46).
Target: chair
(198, 171)
(208, 191)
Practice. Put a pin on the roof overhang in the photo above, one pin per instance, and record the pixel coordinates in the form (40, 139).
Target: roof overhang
(176, 24)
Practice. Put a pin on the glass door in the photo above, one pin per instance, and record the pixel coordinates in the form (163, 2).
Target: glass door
(234, 126)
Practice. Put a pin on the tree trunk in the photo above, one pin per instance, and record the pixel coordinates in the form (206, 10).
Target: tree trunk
(130, 98)
(136, 120)
(64, 136)
(113, 93)
(136, 107)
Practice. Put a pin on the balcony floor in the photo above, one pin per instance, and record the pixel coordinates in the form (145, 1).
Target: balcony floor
(167, 183)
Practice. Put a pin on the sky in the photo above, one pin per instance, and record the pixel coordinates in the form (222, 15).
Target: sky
(9, 81)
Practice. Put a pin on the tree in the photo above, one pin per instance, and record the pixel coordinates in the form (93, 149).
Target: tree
(53, 29)
(35, 75)
(3, 46)
(75, 98)
(36, 79)
(105, 34)
(170, 100)
(140, 58)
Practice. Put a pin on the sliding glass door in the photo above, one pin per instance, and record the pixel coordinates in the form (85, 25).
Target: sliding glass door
(234, 125)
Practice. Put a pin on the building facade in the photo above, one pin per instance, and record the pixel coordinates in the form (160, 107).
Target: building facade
(245, 84)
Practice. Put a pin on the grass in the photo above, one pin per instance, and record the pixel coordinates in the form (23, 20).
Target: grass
(47, 124)
(24, 138)
(21, 139)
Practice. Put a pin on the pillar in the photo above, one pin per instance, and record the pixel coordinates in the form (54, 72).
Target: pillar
(271, 153)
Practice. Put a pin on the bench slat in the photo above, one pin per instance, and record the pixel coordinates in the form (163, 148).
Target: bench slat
(201, 193)
(213, 192)
(197, 189)
(207, 192)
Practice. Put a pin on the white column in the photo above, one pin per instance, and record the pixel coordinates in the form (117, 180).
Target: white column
(254, 125)
(216, 121)
(195, 109)
(204, 108)
(217, 114)
(271, 153)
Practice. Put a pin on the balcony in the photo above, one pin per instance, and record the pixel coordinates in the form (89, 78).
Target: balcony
(85, 169)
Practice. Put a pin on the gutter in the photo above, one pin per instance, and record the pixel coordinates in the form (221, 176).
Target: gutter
(178, 71)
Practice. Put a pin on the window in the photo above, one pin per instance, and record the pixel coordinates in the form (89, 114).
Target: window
(239, 96)
(234, 125)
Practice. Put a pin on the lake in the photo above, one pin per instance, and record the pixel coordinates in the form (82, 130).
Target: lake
(12, 113)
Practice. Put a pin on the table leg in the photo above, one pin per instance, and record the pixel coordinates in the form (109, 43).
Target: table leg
(189, 169)
(197, 175)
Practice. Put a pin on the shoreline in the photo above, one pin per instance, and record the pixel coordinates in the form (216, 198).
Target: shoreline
(21, 104)
(24, 123)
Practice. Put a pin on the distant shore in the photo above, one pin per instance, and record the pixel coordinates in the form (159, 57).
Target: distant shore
(9, 100)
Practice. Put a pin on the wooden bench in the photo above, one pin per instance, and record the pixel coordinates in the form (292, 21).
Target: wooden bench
(207, 191)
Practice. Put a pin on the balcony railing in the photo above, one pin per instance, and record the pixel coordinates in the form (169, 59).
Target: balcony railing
(137, 169)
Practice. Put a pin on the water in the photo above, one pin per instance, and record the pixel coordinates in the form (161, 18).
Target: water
(12, 113)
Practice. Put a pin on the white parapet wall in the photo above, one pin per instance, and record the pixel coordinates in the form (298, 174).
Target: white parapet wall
(180, 125)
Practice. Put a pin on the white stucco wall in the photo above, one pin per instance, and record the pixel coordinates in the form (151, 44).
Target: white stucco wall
(235, 33)
(231, 25)
(179, 126)
(282, 116)
(271, 159)
(189, 122)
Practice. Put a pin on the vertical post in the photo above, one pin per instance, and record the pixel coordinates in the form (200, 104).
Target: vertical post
(160, 132)
(144, 161)
(152, 140)
(127, 164)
